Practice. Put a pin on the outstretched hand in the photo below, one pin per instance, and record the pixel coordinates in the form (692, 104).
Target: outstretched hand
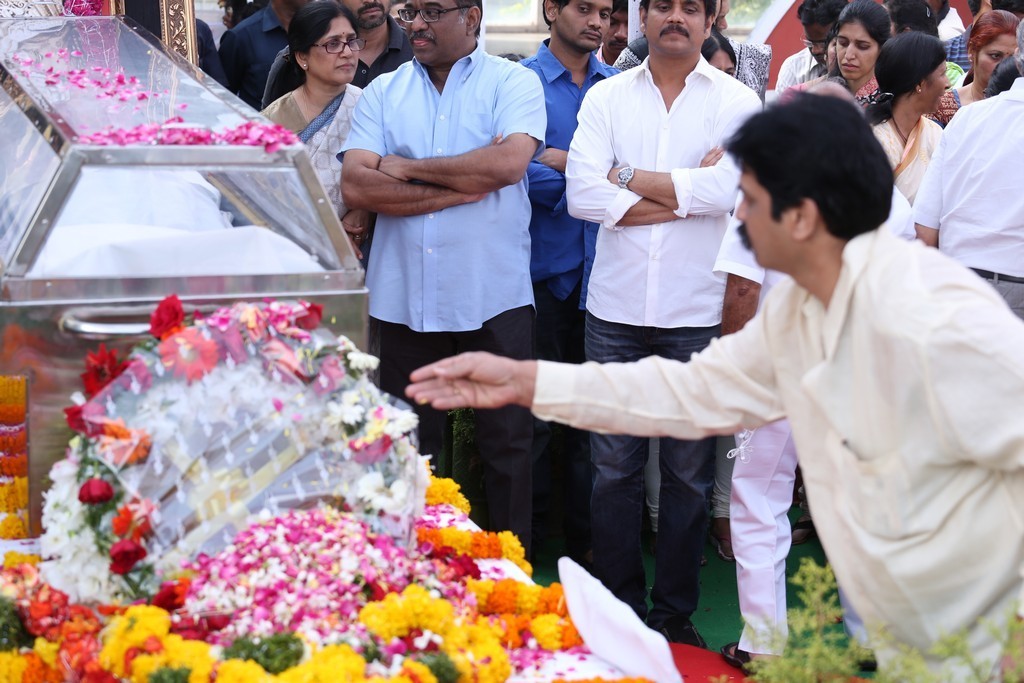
(474, 380)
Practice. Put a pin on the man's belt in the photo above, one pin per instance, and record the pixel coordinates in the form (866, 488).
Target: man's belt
(998, 277)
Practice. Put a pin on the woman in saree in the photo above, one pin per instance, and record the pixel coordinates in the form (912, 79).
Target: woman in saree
(911, 74)
(316, 99)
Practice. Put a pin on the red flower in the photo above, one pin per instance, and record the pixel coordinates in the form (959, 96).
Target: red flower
(95, 491)
(74, 417)
(171, 596)
(188, 354)
(311, 320)
(167, 318)
(101, 368)
(124, 555)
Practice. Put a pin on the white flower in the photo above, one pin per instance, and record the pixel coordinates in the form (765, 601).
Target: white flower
(359, 361)
(375, 494)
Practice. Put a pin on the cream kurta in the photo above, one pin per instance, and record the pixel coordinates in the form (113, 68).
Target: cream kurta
(904, 397)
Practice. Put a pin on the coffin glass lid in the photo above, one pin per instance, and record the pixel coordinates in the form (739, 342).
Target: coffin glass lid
(95, 72)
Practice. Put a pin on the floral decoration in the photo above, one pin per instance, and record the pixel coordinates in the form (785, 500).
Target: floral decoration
(215, 419)
(13, 467)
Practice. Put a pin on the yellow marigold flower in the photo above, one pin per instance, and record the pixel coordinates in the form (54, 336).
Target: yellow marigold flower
(547, 629)
(528, 598)
(12, 666)
(12, 526)
(512, 550)
(442, 491)
(396, 615)
(478, 655)
(332, 664)
(242, 671)
(194, 655)
(15, 559)
(481, 589)
(415, 672)
(46, 650)
(132, 629)
(146, 664)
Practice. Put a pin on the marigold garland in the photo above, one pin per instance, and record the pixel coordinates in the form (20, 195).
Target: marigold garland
(14, 495)
(604, 680)
(14, 465)
(509, 596)
(480, 545)
(443, 491)
(12, 527)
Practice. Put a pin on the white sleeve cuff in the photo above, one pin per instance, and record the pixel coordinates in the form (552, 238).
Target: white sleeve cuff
(684, 190)
(624, 201)
(554, 387)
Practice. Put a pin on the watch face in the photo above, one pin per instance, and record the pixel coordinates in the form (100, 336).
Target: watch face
(625, 175)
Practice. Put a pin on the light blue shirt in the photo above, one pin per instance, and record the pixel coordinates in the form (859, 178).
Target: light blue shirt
(451, 270)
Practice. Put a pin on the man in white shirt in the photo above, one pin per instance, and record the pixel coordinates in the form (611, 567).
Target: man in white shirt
(897, 368)
(633, 168)
(816, 17)
(969, 204)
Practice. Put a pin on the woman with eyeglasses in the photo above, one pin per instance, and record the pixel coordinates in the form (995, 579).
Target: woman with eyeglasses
(316, 100)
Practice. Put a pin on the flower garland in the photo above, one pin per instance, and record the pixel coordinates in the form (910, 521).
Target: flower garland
(477, 544)
(508, 596)
(13, 466)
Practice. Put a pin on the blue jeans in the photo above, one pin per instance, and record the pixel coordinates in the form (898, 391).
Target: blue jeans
(617, 505)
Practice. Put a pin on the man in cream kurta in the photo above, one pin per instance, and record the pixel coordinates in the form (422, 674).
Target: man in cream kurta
(901, 373)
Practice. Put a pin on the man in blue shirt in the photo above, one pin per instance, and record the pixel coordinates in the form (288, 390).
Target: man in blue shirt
(439, 149)
(567, 67)
(248, 50)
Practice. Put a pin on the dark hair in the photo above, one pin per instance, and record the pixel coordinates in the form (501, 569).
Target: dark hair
(1011, 6)
(974, 6)
(820, 12)
(620, 6)
(717, 42)
(512, 56)
(1002, 77)
(710, 7)
(309, 25)
(871, 16)
(820, 148)
(912, 15)
(903, 63)
(560, 4)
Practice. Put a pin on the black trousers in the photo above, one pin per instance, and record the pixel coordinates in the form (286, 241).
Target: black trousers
(504, 436)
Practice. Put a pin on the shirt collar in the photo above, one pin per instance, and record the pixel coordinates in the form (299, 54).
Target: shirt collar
(703, 68)
(856, 255)
(553, 69)
(270, 20)
(397, 39)
(1016, 91)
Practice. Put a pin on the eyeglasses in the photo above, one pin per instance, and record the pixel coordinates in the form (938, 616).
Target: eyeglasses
(813, 43)
(428, 14)
(337, 45)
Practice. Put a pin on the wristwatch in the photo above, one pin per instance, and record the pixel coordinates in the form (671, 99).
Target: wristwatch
(625, 175)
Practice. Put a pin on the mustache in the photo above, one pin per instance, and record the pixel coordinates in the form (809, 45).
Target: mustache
(674, 28)
(745, 236)
(422, 35)
(372, 6)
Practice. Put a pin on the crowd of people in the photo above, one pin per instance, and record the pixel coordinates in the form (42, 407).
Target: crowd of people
(566, 210)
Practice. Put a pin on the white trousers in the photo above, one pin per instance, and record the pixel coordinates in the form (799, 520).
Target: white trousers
(762, 493)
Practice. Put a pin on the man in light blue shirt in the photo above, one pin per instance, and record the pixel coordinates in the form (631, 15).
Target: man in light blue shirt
(439, 149)
(567, 66)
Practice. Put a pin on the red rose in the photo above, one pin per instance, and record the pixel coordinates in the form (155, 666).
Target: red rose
(311, 320)
(171, 596)
(217, 622)
(124, 555)
(95, 491)
(74, 417)
(167, 318)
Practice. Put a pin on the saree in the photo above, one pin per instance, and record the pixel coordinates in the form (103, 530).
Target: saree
(909, 162)
(323, 136)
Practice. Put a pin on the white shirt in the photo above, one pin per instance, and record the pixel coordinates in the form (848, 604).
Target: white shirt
(903, 397)
(798, 68)
(657, 275)
(972, 190)
(951, 26)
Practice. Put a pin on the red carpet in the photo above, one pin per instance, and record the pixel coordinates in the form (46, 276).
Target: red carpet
(699, 665)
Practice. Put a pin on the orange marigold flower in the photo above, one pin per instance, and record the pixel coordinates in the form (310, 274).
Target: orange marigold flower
(14, 465)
